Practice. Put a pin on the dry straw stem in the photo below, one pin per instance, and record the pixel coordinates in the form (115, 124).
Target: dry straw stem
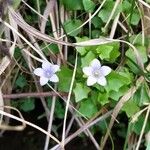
(68, 100)
(28, 123)
(143, 128)
(144, 3)
(84, 127)
(112, 12)
(13, 128)
(30, 30)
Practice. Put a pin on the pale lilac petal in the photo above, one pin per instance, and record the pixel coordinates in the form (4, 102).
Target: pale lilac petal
(55, 68)
(91, 81)
(43, 81)
(102, 81)
(95, 63)
(105, 70)
(39, 72)
(87, 71)
(54, 78)
(46, 65)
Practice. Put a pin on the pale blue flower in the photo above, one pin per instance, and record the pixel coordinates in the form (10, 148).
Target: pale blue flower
(96, 73)
(47, 73)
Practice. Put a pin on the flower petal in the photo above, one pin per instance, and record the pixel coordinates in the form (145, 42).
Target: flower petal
(102, 81)
(105, 70)
(54, 78)
(95, 63)
(43, 81)
(46, 65)
(87, 71)
(91, 81)
(55, 68)
(39, 72)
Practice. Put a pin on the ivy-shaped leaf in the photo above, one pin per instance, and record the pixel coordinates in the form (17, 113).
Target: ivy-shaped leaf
(65, 76)
(116, 81)
(72, 4)
(81, 92)
(21, 81)
(87, 108)
(88, 5)
(71, 25)
(27, 104)
(87, 59)
(130, 108)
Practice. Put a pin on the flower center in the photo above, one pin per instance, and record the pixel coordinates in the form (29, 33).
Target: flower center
(48, 73)
(96, 73)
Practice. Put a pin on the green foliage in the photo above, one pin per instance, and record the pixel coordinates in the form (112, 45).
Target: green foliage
(103, 98)
(143, 55)
(87, 59)
(130, 108)
(105, 12)
(16, 3)
(81, 92)
(141, 97)
(26, 104)
(21, 81)
(137, 126)
(65, 76)
(135, 18)
(109, 52)
(117, 79)
(87, 108)
(72, 5)
(71, 25)
(81, 50)
(59, 111)
(52, 47)
(88, 5)
(97, 22)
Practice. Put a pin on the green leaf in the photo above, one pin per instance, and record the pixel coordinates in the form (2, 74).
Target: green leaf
(21, 81)
(27, 104)
(107, 10)
(96, 33)
(81, 50)
(135, 18)
(137, 126)
(65, 76)
(104, 15)
(16, 3)
(130, 108)
(97, 22)
(17, 53)
(51, 48)
(104, 51)
(143, 54)
(88, 5)
(116, 95)
(71, 25)
(87, 59)
(87, 108)
(81, 92)
(59, 111)
(137, 40)
(126, 6)
(103, 98)
(116, 81)
(141, 96)
(72, 4)
(109, 52)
